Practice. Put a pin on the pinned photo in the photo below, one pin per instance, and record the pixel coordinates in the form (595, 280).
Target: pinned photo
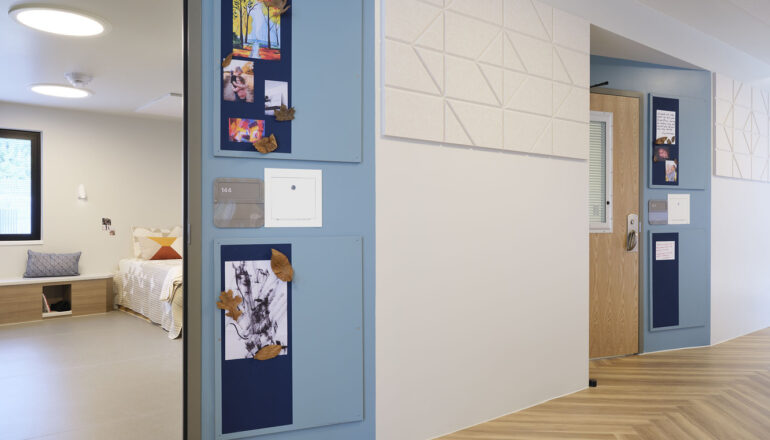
(671, 171)
(256, 30)
(661, 154)
(238, 81)
(276, 94)
(246, 130)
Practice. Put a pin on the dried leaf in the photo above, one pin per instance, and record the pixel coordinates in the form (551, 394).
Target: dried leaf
(280, 5)
(266, 144)
(284, 113)
(227, 60)
(268, 352)
(281, 266)
(228, 301)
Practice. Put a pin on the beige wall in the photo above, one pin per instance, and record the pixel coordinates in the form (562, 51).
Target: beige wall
(131, 168)
(482, 253)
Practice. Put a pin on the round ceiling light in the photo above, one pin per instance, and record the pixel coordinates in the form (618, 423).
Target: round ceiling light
(60, 91)
(58, 20)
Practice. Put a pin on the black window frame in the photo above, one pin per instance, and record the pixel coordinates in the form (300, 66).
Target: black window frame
(36, 227)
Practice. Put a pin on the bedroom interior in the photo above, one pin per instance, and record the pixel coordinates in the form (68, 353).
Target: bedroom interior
(91, 208)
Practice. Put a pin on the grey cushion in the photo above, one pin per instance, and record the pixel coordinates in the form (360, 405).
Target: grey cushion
(51, 265)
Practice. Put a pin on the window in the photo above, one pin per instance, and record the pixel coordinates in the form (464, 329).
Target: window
(600, 173)
(19, 185)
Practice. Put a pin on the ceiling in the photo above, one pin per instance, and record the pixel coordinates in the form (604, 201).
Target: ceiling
(608, 44)
(137, 62)
(743, 24)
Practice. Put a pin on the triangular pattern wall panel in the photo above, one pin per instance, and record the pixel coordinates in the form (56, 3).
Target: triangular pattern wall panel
(741, 126)
(502, 74)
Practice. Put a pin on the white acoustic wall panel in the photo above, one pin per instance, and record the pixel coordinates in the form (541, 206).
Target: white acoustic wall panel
(503, 74)
(742, 119)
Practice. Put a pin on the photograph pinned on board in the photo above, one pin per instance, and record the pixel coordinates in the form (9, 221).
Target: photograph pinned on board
(246, 130)
(662, 153)
(264, 318)
(276, 94)
(671, 171)
(256, 30)
(238, 81)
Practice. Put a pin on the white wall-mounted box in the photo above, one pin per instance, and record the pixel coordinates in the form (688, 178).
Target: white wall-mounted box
(293, 198)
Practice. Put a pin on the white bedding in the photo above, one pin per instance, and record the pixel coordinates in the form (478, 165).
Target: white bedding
(152, 289)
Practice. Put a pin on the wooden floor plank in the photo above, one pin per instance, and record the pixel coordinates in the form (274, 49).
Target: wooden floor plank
(708, 393)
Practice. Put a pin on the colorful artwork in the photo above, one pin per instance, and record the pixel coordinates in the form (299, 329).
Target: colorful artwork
(256, 30)
(238, 81)
(246, 130)
(671, 174)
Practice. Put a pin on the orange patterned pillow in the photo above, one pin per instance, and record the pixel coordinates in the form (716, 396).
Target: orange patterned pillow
(161, 248)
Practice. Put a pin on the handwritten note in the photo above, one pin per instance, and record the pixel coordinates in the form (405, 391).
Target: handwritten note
(665, 250)
(665, 126)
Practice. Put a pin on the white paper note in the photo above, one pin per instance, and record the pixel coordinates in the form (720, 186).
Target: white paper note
(665, 124)
(665, 250)
(678, 209)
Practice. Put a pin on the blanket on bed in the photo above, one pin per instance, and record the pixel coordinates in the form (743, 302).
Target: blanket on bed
(153, 289)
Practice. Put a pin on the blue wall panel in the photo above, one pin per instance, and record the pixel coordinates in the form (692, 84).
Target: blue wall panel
(693, 89)
(333, 45)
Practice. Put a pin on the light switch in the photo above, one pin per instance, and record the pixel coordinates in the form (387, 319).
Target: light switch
(293, 198)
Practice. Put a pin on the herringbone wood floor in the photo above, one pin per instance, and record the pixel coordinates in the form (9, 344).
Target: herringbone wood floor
(720, 392)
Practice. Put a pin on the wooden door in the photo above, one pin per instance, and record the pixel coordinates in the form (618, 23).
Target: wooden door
(614, 271)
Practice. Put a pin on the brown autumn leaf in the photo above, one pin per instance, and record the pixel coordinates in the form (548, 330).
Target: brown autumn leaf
(284, 113)
(268, 352)
(228, 301)
(281, 266)
(266, 144)
(280, 5)
(227, 60)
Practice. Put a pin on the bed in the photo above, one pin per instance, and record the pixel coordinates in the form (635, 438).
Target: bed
(153, 289)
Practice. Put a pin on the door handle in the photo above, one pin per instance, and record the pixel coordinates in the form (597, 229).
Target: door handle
(632, 233)
(631, 241)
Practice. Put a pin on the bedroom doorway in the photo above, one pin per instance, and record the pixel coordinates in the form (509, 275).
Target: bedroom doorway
(92, 142)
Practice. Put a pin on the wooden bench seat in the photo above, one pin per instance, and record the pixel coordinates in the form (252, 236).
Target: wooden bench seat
(21, 299)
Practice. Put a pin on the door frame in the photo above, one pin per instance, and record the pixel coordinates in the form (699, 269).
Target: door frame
(642, 177)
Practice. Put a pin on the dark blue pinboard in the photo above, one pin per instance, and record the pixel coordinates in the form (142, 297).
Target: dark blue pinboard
(255, 394)
(270, 61)
(661, 153)
(665, 284)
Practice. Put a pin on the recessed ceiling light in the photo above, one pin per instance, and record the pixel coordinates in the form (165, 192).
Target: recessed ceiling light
(59, 91)
(58, 20)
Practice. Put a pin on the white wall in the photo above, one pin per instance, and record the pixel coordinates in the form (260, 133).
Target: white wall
(482, 280)
(740, 285)
(131, 168)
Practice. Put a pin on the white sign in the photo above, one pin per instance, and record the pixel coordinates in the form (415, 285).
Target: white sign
(665, 250)
(678, 209)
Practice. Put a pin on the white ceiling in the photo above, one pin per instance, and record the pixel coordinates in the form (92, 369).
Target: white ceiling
(608, 44)
(743, 24)
(138, 61)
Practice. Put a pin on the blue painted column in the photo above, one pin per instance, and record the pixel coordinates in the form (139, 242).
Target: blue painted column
(333, 47)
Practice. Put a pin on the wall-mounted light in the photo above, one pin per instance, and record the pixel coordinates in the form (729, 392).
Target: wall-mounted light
(82, 192)
(58, 20)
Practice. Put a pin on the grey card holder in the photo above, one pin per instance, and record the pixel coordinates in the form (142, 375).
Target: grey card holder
(239, 203)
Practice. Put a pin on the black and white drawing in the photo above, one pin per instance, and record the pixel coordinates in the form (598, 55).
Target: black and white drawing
(264, 320)
(276, 94)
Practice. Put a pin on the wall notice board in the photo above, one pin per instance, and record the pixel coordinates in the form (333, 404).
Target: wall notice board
(665, 279)
(313, 62)
(317, 318)
(665, 141)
